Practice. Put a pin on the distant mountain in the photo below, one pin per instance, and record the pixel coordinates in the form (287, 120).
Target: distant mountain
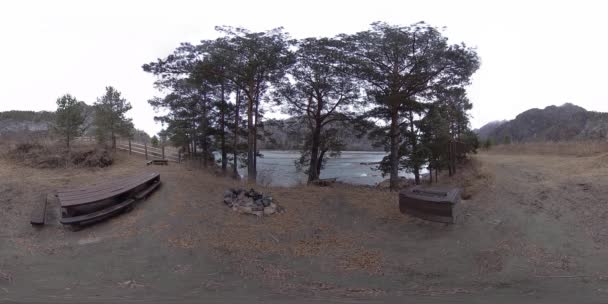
(487, 129)
(553, 123)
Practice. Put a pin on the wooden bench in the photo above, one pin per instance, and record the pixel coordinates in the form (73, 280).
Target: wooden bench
(433, 204)
(39, 211)
(101, 200)
(162, 162)
(97, 215)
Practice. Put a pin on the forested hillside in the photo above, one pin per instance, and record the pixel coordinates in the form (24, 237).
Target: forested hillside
(18, 123)
(291, 134)
(553, 123)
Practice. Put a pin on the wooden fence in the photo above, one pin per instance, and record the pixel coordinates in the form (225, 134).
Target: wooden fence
(149, 152)
(163, 152)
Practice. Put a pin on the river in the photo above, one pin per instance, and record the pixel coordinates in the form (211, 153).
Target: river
(277, 168)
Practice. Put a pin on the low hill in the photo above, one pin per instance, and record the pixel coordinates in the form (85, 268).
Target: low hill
(553, 123)
(16, 123)
(19, 121)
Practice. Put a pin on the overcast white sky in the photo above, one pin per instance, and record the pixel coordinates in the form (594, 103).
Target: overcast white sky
(534, 53)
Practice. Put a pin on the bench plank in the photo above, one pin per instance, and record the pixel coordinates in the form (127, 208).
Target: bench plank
(98, 184)
(97, 215)
(102, 185)
(147, 191)
(116, 190)
(110, 188)
(39, 211)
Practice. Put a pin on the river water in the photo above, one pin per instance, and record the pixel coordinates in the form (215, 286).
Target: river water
(277, 168)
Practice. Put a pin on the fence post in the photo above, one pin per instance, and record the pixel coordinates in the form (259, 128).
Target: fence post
(146, 150)
(129, 146)
(162, 149)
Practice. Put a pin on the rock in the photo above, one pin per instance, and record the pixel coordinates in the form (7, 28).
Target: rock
(245, 209)
(258, 202)
(269, 210)
(257, 208)
(228, 197)
(250, 202)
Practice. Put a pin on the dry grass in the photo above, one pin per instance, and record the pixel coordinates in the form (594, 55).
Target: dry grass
(564, 148)
(54, 155)
(471, 177)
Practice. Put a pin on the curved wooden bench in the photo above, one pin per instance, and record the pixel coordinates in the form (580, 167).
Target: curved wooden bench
(101, 200)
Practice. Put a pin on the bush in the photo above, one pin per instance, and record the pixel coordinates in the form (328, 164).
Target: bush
(39, 156)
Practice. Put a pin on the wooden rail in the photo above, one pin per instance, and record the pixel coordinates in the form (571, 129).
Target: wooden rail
(170, 154)
(164, 152)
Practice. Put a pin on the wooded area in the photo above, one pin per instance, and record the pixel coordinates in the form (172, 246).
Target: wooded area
(402, 86)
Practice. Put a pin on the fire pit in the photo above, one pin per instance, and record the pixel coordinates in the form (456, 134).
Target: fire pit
(251, 202)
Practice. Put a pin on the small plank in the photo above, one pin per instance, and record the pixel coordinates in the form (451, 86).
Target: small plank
(159, 162)
(39, 211)
(147, 191)
(97, 215)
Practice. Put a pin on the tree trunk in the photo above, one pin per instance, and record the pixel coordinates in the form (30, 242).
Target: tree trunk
(194, 146)
(204, 139)
(251, 172)
(223, 131)
(113, 141)
(320, 162)
(414, 142)
(394, 156)
(450, 156)
(436, 174)
(235, 171)
(313, 169)
(255, 138)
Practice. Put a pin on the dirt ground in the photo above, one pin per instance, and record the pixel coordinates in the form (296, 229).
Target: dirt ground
(534, 230)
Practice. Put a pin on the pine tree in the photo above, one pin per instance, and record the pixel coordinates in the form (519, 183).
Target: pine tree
(110, 119)
(321, 91)
(401, 66)
(70, 118)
